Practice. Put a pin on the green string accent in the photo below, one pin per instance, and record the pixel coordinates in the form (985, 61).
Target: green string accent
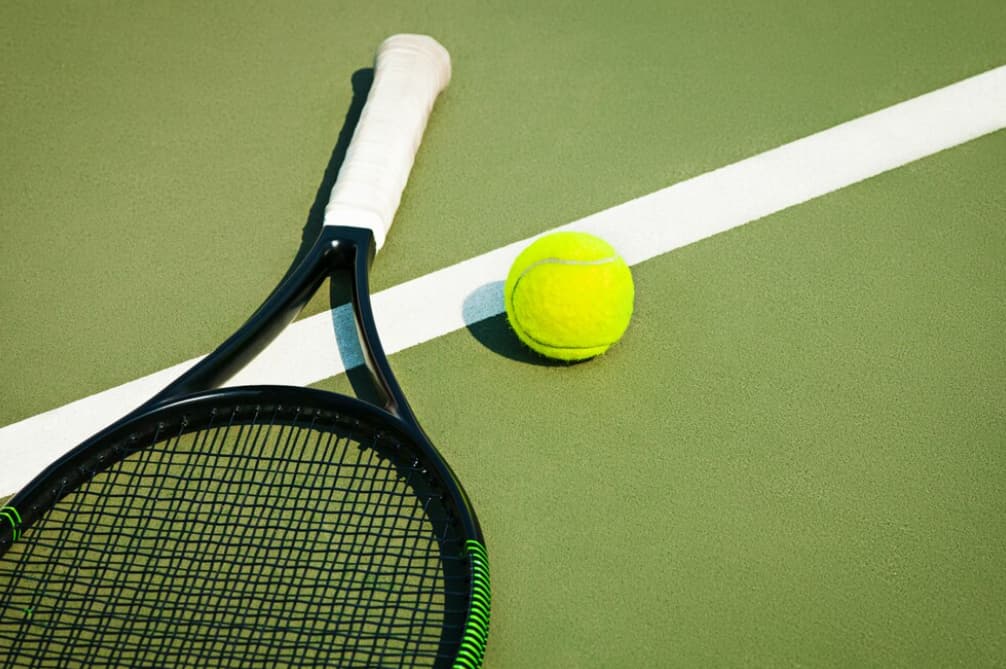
(473, 644)
(10, 514)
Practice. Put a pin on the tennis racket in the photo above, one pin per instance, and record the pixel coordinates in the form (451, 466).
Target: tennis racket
(264, 525)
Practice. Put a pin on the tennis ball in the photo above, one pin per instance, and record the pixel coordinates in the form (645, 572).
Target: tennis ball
(569, 296)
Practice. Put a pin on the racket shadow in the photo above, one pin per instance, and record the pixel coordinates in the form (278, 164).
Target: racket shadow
(361, 81)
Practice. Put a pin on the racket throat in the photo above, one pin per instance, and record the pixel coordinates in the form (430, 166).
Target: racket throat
(343, 254)
(374, 358)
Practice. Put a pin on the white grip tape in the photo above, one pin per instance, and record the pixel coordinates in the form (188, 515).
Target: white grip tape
(409, 73)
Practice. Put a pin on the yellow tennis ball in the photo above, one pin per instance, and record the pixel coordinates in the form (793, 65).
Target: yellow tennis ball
(569, 296)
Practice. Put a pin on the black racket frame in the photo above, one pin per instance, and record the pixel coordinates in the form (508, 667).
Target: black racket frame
(340, 253)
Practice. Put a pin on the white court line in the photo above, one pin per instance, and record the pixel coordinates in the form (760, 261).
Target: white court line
(451, 298)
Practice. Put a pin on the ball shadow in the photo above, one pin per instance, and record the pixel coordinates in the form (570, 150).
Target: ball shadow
(486, 321)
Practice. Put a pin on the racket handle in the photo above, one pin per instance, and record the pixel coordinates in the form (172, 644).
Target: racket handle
(409, 73)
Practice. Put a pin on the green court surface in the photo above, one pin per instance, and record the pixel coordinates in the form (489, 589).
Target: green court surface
(796, 456)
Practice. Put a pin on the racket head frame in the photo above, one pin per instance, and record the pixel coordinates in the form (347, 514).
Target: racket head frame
(340, 253)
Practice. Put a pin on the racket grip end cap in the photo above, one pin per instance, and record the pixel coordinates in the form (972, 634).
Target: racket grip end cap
(421, 47)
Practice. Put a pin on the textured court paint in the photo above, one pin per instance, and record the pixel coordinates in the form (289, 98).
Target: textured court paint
(794, 458)
(161, 140)
(153, 134)
(465, 293)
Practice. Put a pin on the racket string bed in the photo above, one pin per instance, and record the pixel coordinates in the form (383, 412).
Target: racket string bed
(276, 531)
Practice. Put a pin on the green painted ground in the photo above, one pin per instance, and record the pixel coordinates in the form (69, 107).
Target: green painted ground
(795, 457)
